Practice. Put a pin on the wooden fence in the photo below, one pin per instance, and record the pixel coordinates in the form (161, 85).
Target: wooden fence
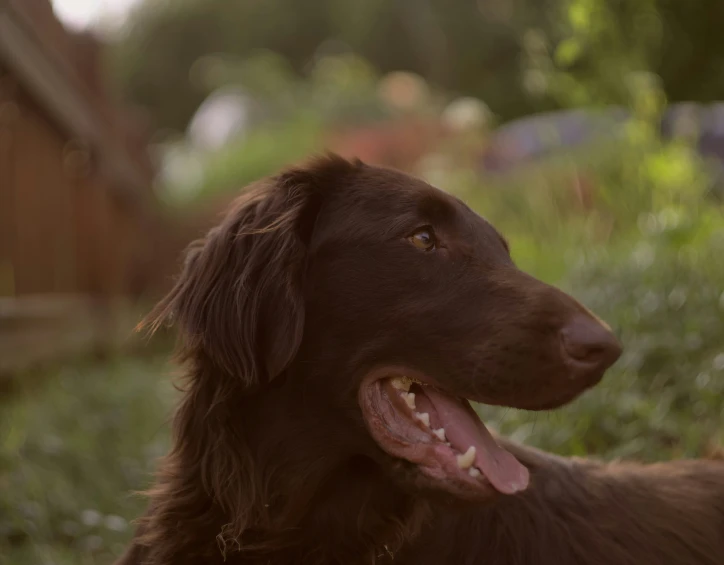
(78, 222)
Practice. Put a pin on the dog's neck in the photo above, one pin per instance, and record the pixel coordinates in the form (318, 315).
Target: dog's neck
(319, 498)
(251, 487)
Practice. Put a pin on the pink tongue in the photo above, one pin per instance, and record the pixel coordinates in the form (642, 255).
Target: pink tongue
(463, 428)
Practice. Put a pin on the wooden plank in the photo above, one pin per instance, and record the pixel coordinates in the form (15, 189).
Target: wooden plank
(42, 329)
(62, 99)
(9, 116)
(45, 254)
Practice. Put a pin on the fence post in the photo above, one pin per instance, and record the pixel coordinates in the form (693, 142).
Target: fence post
(9, 114)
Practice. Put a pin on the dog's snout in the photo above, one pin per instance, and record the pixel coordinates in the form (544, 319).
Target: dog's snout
(589, 344)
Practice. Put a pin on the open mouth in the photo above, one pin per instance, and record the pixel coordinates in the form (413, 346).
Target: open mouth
(441, 434)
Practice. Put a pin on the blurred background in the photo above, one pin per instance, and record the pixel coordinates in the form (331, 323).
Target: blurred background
(590, 132)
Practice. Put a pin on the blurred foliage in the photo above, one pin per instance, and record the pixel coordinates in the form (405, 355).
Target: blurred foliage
(463, 45)
(648, 261)
(339, 87)
(75, 445)
(340, 90)
(492, 49)
(261, 153)
(593, 53)
(663, 399)
(645, 256)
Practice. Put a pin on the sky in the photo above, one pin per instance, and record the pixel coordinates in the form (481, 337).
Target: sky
(81, 14)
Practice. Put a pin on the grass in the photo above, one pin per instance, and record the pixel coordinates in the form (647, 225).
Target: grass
(75, 445)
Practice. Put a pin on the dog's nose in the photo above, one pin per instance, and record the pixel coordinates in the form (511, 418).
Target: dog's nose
(589, 344)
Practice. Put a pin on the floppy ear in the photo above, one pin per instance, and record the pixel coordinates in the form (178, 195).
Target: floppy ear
(238, 302)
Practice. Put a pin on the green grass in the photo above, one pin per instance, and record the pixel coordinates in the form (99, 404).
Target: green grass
(75, 445)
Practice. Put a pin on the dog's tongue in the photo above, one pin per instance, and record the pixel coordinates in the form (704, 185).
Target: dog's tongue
(463, 428)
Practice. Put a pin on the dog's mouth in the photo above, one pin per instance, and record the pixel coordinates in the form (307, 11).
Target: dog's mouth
(440, 433)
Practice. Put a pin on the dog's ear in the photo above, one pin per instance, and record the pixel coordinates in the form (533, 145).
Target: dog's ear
(238, 302)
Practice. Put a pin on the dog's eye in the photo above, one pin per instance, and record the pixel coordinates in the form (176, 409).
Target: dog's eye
(423, 239)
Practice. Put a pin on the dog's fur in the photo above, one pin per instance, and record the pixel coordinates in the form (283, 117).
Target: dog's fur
(307, 285)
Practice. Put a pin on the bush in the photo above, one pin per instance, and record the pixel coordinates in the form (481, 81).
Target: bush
(74, 449)
(663, 399)
(647, 258)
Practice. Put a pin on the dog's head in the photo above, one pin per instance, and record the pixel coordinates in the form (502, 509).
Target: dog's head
(365, 309)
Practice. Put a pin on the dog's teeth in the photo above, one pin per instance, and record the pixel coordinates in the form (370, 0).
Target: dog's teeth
(402, 383)
(466, 461)
(473, 472)
(409, 398)
(440, 433)
(424, 417)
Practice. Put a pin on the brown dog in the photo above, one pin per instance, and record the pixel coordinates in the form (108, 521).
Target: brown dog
(334, 326)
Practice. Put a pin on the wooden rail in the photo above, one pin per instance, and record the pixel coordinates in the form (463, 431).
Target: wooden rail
(45, 328)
